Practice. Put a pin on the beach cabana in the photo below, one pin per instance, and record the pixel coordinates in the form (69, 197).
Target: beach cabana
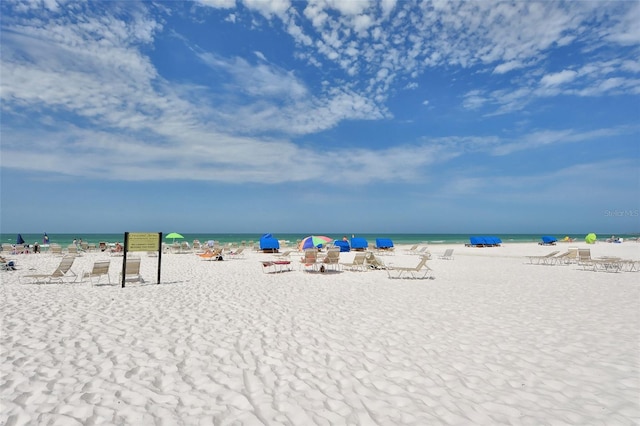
(359, 244)
(344, 246)
(384, 244)
(548, 240)
(268, 244)
(484, 242)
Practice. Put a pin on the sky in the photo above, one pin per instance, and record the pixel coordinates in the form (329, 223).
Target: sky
(322, 116)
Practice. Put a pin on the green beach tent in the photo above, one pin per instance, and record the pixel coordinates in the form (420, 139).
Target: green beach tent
(590, 238)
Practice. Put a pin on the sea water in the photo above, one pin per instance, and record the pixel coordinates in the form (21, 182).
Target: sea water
(249, 238)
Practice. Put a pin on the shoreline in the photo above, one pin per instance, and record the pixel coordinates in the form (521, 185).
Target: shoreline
(249, 240)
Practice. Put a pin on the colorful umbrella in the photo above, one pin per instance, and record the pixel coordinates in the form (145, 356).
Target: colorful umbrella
(590, 238)
(314, 241)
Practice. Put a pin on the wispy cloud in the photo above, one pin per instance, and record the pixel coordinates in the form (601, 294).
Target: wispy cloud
(103, 101)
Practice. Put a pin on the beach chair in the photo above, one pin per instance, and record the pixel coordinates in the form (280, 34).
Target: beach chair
(310, 259)
(420, 271)
(275, 266)
(132, 271)
(236, 254)
(55, 249)
(100, 269)
(284, 255)
(215, 254)
(422, 251)
(537, 260)
(62, 273)
(372, 262)
(560, 259)
(358, 263)
(448, 254)
(72, 250)
(412, 249)
(331, 260)
(584, 258)
(608, 264)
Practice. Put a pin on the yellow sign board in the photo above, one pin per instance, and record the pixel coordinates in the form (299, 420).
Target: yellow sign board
(140, 241)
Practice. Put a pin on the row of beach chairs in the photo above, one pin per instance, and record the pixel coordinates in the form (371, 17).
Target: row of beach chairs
(582, 257)
(100, 270)
(362, 261)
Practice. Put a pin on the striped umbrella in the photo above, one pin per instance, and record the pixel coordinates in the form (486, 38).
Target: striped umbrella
(314, 241)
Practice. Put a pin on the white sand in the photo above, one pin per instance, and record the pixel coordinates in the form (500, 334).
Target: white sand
(492, 340)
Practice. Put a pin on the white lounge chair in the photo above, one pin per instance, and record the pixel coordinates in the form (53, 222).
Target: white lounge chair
(420, 271)
(357, 264)
(448, 254)
(537, 260)
(372, 262)
(310, 259)
(237, 253)
(331, 260)
(132, 271)
(100, 269)
(63, 273)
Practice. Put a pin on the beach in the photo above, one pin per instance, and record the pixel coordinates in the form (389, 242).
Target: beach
(492, 339)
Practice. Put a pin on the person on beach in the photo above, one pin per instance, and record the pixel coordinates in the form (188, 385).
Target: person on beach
(117, 248)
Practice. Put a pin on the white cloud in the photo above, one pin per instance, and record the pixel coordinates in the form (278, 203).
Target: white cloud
(558, 78)
(218, 4)
(507, 66)
(269, 8)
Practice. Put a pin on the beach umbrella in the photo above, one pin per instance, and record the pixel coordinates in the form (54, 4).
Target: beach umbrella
(19, 239)
(45, 239)
(174, 236)
(590, 238)
(314, 241)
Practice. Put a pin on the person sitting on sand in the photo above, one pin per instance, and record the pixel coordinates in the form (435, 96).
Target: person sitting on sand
(117, 248)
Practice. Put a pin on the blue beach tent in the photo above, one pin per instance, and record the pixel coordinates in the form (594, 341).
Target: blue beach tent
(384, 243)
(485, 241)
(359, 244)
(19, 239)
(548, 240)
(267, 242)
(344, 245)
(476, 241)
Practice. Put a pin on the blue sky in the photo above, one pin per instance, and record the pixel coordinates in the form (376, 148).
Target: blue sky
(320, 116)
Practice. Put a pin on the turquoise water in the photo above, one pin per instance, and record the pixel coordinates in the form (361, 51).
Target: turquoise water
(66, 239)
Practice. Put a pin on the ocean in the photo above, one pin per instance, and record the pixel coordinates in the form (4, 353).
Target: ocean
(431, 239)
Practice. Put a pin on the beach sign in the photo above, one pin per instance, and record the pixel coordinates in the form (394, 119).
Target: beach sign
(141, 241)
